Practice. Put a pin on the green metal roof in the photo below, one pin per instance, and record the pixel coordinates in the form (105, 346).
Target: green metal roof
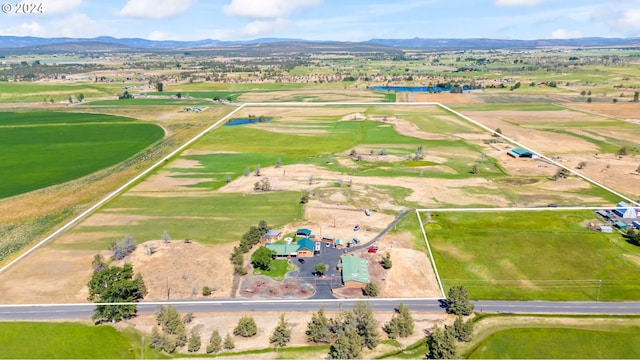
(305, 243)
(283, 249)
(307, 232)
(355, 269)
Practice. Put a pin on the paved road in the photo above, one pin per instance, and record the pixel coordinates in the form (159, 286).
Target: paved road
(84, 311)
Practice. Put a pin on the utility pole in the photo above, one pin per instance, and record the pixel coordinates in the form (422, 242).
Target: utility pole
(599, 287)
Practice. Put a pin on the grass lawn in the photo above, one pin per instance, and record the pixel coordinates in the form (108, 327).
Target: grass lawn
(215, 219)
(24, 340)
(47, 148)
(559, 343)
(542, 255)
(277, 270)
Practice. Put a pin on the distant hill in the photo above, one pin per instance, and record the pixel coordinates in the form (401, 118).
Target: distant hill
(107, 43)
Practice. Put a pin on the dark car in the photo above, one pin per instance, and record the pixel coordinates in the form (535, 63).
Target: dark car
(301, 260)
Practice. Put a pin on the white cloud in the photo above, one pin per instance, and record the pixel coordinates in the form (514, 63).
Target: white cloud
(517, 2)
(259, 27)
(51, 7)
(26, 29)
(161, 35)
(628, 22)
(77, 25)
(566, 34)
(266, 9)
(155, 9)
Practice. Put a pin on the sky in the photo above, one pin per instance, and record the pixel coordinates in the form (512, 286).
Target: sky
(342, 20)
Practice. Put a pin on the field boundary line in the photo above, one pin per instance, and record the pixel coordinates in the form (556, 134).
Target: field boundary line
(118, 191)
(431, 259)
(602, 186)
(542, 208)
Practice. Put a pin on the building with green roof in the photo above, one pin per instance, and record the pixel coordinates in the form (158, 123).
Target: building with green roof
(355, 271)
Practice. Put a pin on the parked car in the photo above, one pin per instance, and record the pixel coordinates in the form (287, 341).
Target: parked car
(356, 228)
(328, 244)
(372, 249)
(301, 260)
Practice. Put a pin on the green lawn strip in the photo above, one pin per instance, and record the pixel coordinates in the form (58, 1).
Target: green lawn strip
(559, 343)
(277, 270)
(417, 350)
(24, 340)
(38, 92)
(150, 102)
(56, 117)
(299, 352)
(40, 156)
(215, 219)
(532, 256)
(226, 95)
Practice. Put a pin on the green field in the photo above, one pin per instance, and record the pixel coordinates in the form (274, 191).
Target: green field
(23, 340)
(37, 92)
(542, 255)
(48, 148)
(622, 342)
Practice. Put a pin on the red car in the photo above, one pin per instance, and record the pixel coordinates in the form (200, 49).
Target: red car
(372, 249)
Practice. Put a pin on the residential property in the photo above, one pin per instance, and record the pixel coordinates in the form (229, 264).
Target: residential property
(520, 153)
(272, 236)
(625, 211)
(355, 272)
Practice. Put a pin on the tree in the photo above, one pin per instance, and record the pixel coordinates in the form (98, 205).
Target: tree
(194, 341)
(262, 258)
(215, 342)
(162, 341)
(581, 165)
(366, 324)
(246, 327)
(160, 87)
(386, 261)
(278, 162)
(458, 302)
(165, 237)
(321, 269)
(256, 171)
(281, 334)
(98, 263)
(318, 328)
(622, 151)
(304, 198)
(463, 330)
(227, 179)
(497, 132)
(401, 324)
(115, 285)
(206, 290)
(172, 323)
(348, 345)
(589, 100)
(442, 344)
(635, 96)
(474, 169)
(371, 290)
(329, 158)
(123, 247)
(246, 171)
(80, 97)
(228, 342)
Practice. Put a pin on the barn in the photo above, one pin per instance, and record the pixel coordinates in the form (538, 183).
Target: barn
(625, 211)
(355, 272)
(520, 153)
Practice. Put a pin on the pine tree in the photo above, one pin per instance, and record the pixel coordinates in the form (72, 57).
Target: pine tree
(458, 301)
(246, 327)
(442, 344)
(281, 334)
(367, 325)
(228, 342)
(215, 342)
(318, 328)
(194, 341)
(401, 324)
(463, 330)
(348, 344)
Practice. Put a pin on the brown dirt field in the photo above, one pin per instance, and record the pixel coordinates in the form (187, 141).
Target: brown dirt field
(337, 95)
(613, 171)
(626, 111)
(443, 98)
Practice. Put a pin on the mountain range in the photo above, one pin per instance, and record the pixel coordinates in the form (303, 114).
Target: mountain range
(110, 43)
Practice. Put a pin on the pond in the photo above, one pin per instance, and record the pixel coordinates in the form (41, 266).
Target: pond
(245, 121)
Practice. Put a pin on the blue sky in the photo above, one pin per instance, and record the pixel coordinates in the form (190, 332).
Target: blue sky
(348, 20)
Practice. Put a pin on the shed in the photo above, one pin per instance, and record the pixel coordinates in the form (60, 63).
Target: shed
(303, 232)
(625, 211)
(620, 225)
(604, 214)
(339, 244)
(605, 229)
(328, 239)
(305, 248)
(520, 153)
(355, 272)
(636, 225)
(272, 236)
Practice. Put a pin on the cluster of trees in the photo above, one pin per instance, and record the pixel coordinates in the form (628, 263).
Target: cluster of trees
(442, 342)
(262, 258)
(114, 285)
(249, 239)
(349, 333)
(401, 324)
(123, 247)
(633, 236)
(173, 332)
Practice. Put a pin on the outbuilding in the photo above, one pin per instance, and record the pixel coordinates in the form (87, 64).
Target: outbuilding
(339, 244)
(620, 225)
(625, 211)
(520, 153)
(303, 232)
(283, 250)
(272, 236)
(355, 272)
(305, 248)
(605, 229)
(636, 225)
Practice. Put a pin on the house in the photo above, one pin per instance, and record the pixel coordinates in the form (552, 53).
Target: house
(283, 250)
(625, 211)
(605, 229)
(303, 233)
(355, 272)
(620, 225)
(520, 153)
(339, 244)
(306, 248)
(272, 236)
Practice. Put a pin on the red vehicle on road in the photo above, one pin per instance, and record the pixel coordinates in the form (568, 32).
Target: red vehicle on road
(372, 249)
